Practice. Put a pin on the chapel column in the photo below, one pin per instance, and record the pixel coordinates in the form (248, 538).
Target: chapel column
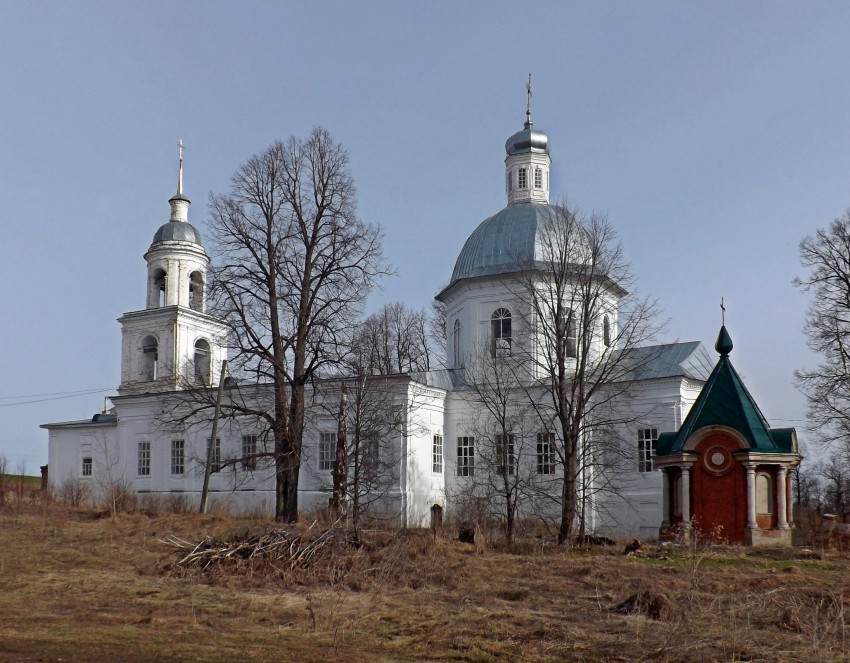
(788, 494)
(665, 492)
(781, 498)
(751, 495)
(686, 494)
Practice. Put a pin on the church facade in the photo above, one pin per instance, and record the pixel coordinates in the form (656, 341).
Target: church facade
(433, 445)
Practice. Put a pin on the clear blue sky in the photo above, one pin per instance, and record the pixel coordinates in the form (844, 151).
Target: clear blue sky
(714, 136)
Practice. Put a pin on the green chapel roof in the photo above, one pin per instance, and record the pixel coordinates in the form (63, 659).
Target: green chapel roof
(725, 401)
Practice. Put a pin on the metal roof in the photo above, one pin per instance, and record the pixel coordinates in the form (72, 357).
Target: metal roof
(527, 140)
(689, 360)
(180, 231)
(505, 242)
(448, 379)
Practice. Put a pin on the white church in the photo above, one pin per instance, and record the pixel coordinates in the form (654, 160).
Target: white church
(431, 458)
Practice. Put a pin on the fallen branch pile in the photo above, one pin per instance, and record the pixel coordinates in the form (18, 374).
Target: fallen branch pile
(280, 549)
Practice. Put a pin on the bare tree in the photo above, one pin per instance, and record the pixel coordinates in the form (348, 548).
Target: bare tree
(437, 329)
(583, 353)
(499, 476)
(294, 265)
(834, 473)
(393, 340)
(376, 408)
(826, 256)
(339, 495)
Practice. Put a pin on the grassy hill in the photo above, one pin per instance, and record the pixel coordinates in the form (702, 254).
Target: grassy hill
(101, 589)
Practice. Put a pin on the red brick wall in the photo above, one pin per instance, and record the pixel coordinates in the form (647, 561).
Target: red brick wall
(719, 501)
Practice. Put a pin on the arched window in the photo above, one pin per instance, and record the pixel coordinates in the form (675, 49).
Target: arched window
(570, 334)
(456, 331)
(159, 280)
(150, 358)
(509, 182)
(764, 493)
(196, 291)
(523, 179)
(606, 331)
(500, 325)
(538, 178)
(202, 362)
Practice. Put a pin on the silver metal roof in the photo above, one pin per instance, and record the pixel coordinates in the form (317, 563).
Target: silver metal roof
(505, 242)
(527, 140)
(177, 231)
(689, 360)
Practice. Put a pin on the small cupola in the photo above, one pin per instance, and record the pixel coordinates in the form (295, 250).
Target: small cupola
(527, 162)
(177, 261)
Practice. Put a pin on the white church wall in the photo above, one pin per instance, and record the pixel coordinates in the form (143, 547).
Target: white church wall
(422, 486)
(635, 508)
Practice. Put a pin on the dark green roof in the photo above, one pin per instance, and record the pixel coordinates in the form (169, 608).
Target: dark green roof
(725, 401)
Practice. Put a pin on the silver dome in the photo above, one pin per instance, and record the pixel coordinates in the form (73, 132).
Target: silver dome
(527, 140)
(179, 231)
(505, 242)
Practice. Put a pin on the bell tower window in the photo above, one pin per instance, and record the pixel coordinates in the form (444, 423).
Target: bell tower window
(523, 179)
(196, 291)
(606, 331)
(150, 358)
(158, 286)
(538, 178)
(202, 362)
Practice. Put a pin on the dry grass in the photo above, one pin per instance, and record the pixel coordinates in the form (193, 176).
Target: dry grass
(81, 587)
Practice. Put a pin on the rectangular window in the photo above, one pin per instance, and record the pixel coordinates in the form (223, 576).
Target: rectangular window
(647, 438)
(178, 465)
(505, 454)
(249, 452)
(86, 468)
(327, 450)
(465, 456)
(216, 454)
(523, 179)
(538, 178)
(437, 455)
(370, 453)
(144, 459)
(545, 453)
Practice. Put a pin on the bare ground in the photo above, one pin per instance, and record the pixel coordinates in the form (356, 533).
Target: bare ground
(80, 586)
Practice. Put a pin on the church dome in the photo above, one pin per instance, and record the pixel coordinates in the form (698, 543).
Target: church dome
(508, 241)
(527, 140)
(180, 231)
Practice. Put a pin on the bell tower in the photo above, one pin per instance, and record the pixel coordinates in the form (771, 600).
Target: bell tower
(173, 343)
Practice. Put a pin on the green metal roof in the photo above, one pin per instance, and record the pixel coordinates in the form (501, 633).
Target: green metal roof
(725, 401)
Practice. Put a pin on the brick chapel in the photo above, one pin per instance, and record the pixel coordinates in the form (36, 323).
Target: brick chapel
(726, 473)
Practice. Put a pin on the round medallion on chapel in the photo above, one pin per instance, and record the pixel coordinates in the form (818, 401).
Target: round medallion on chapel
(717, 460)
